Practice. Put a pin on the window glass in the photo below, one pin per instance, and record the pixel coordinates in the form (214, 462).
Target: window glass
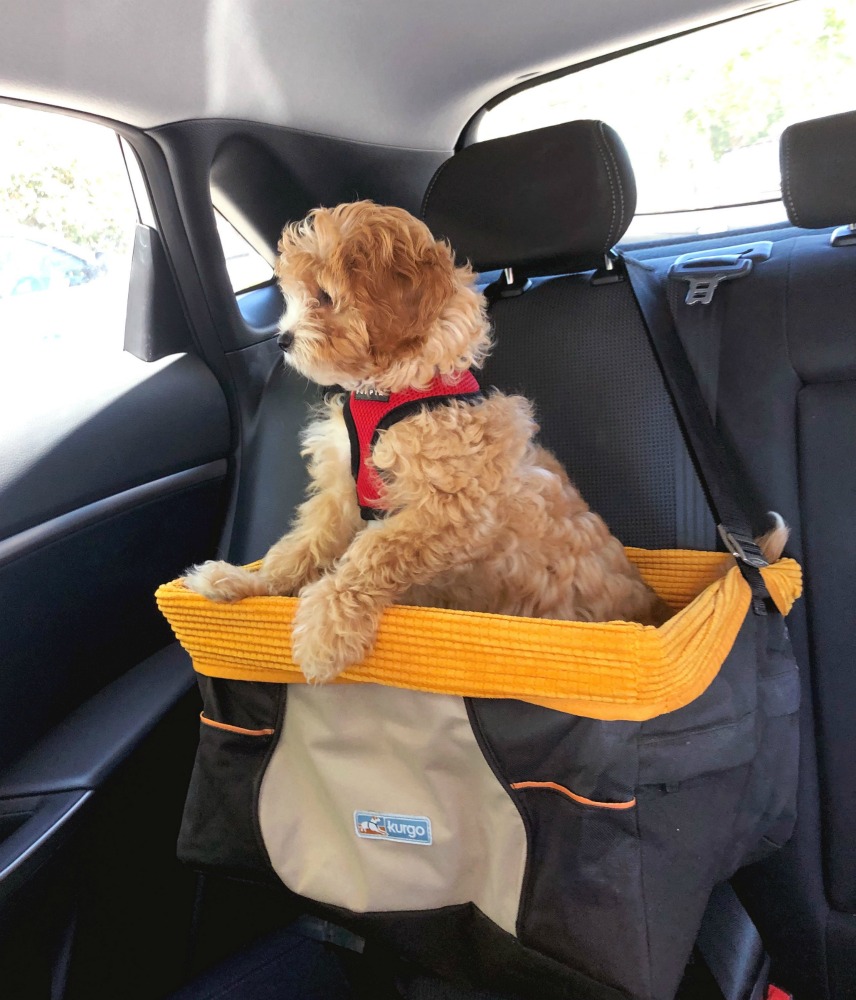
(245, 265)
(67, 219)
(701, 115)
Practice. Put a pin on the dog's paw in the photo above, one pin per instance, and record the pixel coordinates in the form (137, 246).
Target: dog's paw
(221, 581)
(332, 630)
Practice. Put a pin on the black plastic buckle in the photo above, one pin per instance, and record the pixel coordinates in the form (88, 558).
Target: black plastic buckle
(750, 560)
(706, 274)
(706, 270)
(742, 547)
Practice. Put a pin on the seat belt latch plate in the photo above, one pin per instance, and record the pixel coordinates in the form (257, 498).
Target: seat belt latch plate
(705, 270)
(705, 274)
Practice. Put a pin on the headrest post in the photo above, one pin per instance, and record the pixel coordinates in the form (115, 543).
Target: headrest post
(509, 275)
(844, 236)
(609, 273)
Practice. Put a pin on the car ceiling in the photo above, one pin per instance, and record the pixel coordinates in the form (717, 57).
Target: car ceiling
(382, 71)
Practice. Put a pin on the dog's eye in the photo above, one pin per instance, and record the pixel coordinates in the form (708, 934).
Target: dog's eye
(324, 298)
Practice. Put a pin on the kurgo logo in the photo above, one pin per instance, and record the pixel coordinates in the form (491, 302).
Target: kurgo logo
(387, 826)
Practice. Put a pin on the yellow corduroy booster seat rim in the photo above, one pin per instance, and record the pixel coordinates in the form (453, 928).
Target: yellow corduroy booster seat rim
(600, 670)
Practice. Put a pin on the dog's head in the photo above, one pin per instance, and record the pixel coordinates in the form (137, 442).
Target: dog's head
(374, 301)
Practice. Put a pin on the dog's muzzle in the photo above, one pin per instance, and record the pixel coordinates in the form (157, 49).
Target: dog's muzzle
(285, 340)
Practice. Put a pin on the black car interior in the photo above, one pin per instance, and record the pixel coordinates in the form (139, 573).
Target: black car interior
(180, 456)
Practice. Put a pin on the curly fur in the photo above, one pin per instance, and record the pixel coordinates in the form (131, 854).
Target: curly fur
(481, 517)
(400, 312)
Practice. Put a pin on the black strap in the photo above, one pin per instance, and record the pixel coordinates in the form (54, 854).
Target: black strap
(393, 416)
(700, 328)
(714, 468)
(732, 948)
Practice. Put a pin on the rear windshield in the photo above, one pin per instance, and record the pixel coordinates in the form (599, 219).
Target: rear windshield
(701, 115)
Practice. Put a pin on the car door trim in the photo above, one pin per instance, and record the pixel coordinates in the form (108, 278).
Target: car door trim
(43, 534)
(63, 810)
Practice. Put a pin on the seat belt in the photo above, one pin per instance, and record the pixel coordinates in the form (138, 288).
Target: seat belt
(699, 313)
(699, 309)
(728, 941)
(732, 949)
(714, 466)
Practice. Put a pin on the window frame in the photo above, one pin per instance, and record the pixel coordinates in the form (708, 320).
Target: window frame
(468, 133)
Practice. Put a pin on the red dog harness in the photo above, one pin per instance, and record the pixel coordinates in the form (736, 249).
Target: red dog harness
(369, 413)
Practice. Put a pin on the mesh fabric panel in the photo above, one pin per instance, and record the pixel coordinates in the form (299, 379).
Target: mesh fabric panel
(581, 354)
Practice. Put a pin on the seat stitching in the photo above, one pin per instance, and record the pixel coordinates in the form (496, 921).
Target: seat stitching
(602, 142)
(618, 183)
(434, 180)
(786, 186)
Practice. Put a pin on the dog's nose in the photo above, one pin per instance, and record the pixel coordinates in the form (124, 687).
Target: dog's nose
(285, 339)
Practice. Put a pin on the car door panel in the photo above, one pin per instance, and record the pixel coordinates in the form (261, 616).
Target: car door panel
(114, 477)
(68, 442)
(80, 611)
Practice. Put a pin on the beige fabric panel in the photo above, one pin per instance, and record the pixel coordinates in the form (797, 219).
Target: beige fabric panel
(366, 748)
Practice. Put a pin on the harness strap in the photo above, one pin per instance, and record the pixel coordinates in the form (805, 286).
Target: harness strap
(368, 413)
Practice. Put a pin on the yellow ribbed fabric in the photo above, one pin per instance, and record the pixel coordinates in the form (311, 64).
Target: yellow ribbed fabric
(601, 670)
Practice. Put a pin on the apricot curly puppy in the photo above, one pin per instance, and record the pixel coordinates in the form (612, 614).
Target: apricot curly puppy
(455, 504)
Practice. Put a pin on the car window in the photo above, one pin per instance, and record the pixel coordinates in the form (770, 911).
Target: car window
(67, 220)
(701, 114)
(245, 265)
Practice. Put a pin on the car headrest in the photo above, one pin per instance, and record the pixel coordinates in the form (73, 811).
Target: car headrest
(818, 161)
(549, 201)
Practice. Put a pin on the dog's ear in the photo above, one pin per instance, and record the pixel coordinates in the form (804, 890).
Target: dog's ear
(426, 283)
(408, 296)
(397, 274)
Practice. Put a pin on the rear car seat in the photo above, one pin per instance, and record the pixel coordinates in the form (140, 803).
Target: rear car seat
(781, 380)
(550, 206)
(554, 202)
(784, 401)
(787, 401)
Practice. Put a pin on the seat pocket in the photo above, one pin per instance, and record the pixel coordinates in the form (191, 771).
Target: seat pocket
(238, 725)
(584, 887)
